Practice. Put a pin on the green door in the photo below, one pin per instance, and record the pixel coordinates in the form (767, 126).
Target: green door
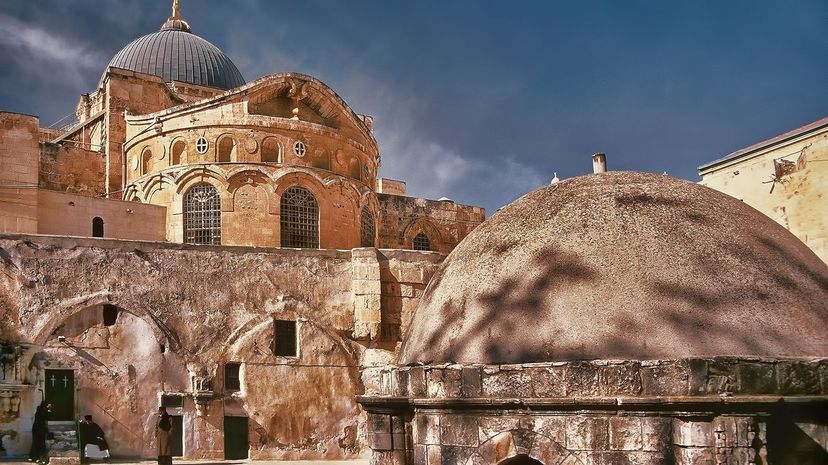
(60, 392)
(235, 438)
(177, 435)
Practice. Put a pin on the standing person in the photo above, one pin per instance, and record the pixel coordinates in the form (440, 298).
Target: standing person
(163, 437)
(91, 433)
(40, 430)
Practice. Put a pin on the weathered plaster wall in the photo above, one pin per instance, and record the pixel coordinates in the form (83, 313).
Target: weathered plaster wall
(72, 169)
(207, 306)
(19, 157)
(795, 199)
(65, 214)
(444, 222)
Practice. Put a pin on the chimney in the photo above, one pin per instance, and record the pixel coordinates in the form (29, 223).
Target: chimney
(599, 163)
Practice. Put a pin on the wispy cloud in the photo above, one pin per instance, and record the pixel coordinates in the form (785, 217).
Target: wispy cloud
(45, 55)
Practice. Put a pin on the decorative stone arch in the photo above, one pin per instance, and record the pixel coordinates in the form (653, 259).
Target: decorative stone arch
(304, 178)
(258, 179)
(178, 151)
(145, 160)
(421, 225)
(154, 184)
(132, 194)
(271, 150)
(523, 447)
(226, 148)
(186, 179)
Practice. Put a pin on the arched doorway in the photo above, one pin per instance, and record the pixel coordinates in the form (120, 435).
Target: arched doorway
(520, 459)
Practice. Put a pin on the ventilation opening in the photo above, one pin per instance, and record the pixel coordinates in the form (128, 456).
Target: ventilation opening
(232, 381)
(284, 338)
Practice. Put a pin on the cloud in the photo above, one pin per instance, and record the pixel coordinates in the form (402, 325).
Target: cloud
(47, 56)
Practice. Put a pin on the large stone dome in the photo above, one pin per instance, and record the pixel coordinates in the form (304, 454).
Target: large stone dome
(626, 266)
(176, 54)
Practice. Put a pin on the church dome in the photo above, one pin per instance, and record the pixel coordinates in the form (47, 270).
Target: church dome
(628, 266)
(176, 54)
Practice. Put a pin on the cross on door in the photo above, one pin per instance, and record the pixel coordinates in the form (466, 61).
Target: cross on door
(53, 380)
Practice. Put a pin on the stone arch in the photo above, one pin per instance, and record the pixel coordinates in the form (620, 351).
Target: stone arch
(520, 459)
(271, 150)
(146, 160)
(257, 179)
(421, 226)
(189, 178)
(226, 149)
(156, 183)
(178, 151)
(523, 446)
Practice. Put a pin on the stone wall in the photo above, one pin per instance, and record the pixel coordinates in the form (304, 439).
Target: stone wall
(183, 312)
(64, 214)
(72, 169)
(19, 157)
(445, 223)
(784, 180)
(719, 410)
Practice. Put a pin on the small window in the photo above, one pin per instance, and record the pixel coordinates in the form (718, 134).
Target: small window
(97, 227)
(202, 145)
(284, 338)
(299, 148)
(172, 400)
(146, 161)
(421, 242)
(270, 150)
(178, 154)
(110, 314)
(232, 382)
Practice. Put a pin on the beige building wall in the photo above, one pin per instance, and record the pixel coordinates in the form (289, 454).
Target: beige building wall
(786, 178)
(19, 157)
(65, 214)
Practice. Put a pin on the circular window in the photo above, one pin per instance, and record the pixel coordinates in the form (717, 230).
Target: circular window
(202, 145)
(299, 148)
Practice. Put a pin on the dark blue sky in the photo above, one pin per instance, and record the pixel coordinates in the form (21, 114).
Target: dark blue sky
(480, 101)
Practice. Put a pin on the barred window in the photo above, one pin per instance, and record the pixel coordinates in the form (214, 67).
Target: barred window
(367, 231)
(232, 380)
(421, 242)
(299, 219)
(202, 215)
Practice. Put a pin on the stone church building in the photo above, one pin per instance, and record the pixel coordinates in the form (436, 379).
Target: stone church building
(226, 249)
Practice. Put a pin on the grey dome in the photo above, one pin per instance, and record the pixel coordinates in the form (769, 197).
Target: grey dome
(176, 54)
(623, 266)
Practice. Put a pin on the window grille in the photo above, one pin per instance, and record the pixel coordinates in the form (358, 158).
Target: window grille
(299, 219)
(367, 231)
(284, 338)
(232, 381)
(421, 242)
(202, 215)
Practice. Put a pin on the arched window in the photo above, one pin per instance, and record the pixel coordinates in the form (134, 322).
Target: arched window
(146, 161)
(97, 227)
(299, 219)
(421, 242)
(178, 152)
(270, 150)
(366, 231)
(225, 149)
(202, 215)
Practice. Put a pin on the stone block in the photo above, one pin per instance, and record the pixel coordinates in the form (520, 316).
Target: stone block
(397, 424)
(380, 441)
(629, 458)
(427, 429)
(459, 430)
(798, 378)
(582, 379)
(587, 433)
(625, 433)
(379, 423)
(655, 433)
(416, 382)
(454, 455)
(694, 455)
(388, 458)
(693, 433)
(620, 380)
(419, 455)
(472, 384)
(508, 384)
(549, 381)
(444, 382)
(756, 378)
(400, 382)
(552, 427)
(725, 427)
(744, 425)
(491, 426)
(434, 455)
(497, 447)
(665, 379)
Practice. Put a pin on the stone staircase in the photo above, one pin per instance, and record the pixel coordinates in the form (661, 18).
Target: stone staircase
(63, 449)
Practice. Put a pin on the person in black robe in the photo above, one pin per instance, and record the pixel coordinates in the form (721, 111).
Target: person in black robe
(91, 433)
(163, 437)
(40, 430)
